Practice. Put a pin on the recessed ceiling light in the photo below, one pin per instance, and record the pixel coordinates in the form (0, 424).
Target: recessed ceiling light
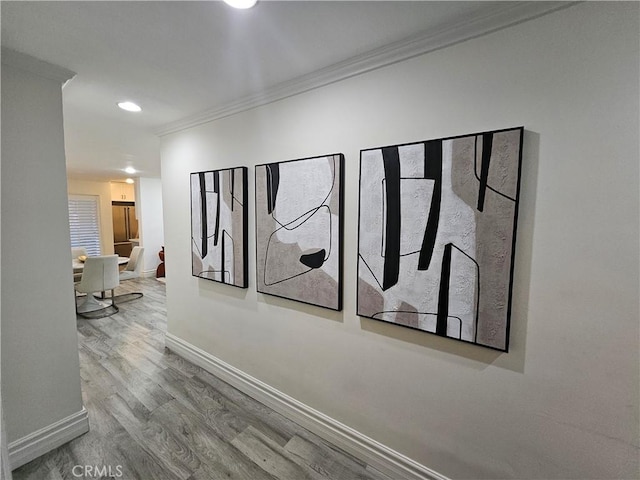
(129, 180)
(242, 4)
(130, 170)
(129, 107)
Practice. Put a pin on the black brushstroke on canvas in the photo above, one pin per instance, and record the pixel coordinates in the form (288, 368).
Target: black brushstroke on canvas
(391, 160)
(443, 295)
(314, 260)
(203, 213)
(273, 181)
(433, 171)
(232, 186)
(216, 190)
(487, 143)
(475, 171)
(222, 250)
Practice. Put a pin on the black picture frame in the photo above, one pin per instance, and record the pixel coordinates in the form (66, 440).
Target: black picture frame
(290, 262)
(219, 226)
(424, 205)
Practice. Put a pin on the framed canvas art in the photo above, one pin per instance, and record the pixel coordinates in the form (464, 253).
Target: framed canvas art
(219, 226)
(299, 230)
(436, 235)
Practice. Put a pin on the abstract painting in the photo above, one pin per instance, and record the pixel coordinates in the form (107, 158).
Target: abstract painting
(436, 239)
(219, 226)
(299, 230)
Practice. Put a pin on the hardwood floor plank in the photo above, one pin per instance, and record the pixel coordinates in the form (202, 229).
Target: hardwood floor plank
(96, 380)
(161, 358)
(220, 458)
(88, 330)
(99, 347)
(136, 462)
(269, 456)
(327, 462)
(376, 474)
(108, 443)
(164, 446)
(269, 422)
(159, 417)
(142, 363)
(178, 363)
(140, 385)
(219, 411)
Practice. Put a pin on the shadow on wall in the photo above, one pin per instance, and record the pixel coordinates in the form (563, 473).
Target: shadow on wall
(514, 360)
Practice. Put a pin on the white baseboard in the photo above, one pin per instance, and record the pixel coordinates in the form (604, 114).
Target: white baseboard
(379, 456)
(148, 273)
(46, 439)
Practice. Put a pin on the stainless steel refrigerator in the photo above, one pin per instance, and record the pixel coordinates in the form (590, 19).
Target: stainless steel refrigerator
(125, 227)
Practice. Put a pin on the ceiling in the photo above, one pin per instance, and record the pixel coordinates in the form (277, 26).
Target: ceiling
(178, 59)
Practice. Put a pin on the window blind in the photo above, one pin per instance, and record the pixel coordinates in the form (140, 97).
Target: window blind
(84, 223)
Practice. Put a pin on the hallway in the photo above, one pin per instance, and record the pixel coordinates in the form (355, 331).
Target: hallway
(155, 416)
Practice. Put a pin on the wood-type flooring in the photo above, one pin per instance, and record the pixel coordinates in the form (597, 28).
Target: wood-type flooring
(155, 416)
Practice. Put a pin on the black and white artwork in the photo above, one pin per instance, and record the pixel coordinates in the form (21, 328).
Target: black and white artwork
(219, 226)
(299, 230)
(437, 222)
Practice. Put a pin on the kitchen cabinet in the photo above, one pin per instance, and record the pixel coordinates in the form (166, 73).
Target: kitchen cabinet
(122, 192)
(125, 227)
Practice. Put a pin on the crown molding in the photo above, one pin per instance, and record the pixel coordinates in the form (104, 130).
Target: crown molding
(500, 17)
(36, 66)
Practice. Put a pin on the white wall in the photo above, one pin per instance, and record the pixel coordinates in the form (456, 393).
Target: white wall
(149, 208)
(40, 368)
(564, 402)
(103, 191)
(5, 468)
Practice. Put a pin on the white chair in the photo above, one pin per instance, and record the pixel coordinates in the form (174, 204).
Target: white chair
(134, 267)
(99, 275)
(132, 270)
